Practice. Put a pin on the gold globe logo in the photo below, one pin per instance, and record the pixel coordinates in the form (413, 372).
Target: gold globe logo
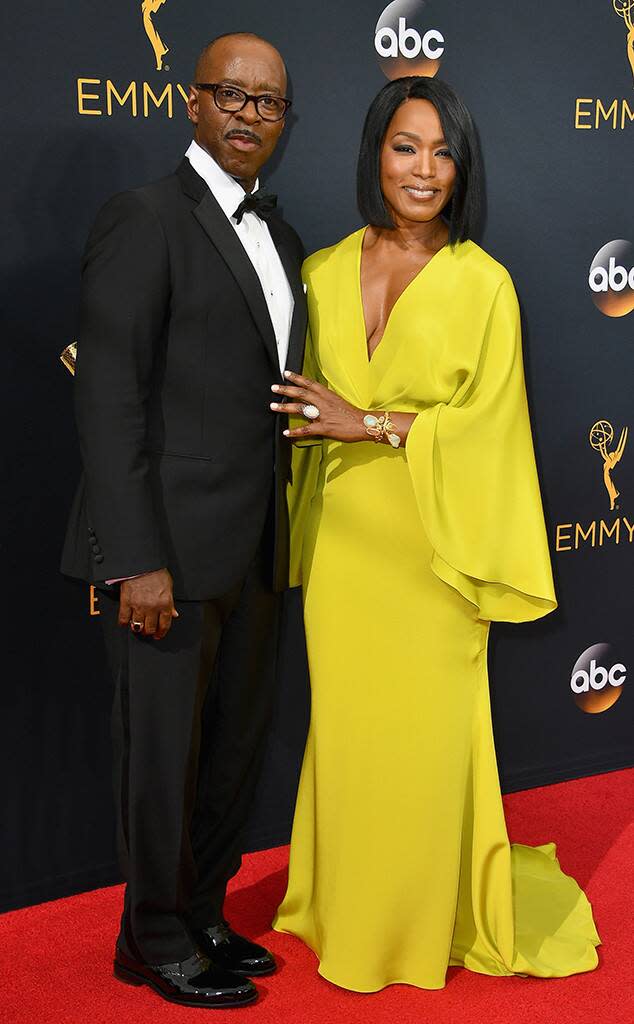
(600, 437)
(597, 679)
(148, 10)
(403, 48)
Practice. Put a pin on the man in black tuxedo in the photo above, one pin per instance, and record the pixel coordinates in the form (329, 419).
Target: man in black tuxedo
(191, 307)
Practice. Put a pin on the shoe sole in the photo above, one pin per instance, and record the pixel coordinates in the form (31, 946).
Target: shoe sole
(129, 977)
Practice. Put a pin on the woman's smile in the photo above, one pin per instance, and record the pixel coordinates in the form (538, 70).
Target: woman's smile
(421, 193)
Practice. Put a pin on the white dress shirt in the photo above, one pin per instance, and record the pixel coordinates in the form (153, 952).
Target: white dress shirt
(257, 242)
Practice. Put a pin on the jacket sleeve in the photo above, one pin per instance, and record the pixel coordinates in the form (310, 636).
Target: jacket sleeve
(125, 294)
(473, 471)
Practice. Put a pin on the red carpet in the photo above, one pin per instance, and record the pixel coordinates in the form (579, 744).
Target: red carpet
(56, 958)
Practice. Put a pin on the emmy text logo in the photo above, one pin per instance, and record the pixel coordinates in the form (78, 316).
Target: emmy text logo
(597, 679)
(98, 96)
(592, 113)
(597, 533)
(404, 45)
(611, 278)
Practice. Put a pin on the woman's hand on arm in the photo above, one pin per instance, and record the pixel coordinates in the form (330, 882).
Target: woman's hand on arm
(338, 419)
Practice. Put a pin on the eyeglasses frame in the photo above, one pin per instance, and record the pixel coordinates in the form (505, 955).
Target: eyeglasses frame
(212, 87)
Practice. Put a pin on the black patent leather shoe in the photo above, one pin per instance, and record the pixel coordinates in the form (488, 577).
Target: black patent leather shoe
(194, 982)
(227, 949)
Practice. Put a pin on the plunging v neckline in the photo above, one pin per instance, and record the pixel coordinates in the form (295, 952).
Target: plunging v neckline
(370, 358)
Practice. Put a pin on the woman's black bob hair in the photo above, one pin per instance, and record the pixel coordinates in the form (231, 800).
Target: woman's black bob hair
(464, 209)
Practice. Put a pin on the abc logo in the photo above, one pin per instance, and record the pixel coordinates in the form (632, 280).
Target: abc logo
(597, 679)
(402, 48)
(611, 278)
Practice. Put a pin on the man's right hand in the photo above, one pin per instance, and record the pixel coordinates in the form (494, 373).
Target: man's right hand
(148, 599)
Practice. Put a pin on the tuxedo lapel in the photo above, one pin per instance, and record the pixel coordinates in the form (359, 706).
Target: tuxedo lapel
(220, 232)
(297, 334)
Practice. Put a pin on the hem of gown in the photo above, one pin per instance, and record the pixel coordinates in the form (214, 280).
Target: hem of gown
(525, 974)
(347, 986)
(355, 988)
(380, 988)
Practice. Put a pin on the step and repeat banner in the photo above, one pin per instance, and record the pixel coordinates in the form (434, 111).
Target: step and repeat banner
(94, 102)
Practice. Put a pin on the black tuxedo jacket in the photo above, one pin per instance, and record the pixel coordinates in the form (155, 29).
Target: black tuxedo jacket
(182, 456)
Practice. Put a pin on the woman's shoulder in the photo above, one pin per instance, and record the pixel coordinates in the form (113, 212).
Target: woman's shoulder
(325, 259)
(489, 272)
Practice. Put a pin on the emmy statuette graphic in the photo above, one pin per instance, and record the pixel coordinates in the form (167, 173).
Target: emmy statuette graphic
(148, 9)
(625, 10)
(602, 435)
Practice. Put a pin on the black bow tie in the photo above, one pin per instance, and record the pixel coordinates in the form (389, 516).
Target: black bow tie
(259, 202)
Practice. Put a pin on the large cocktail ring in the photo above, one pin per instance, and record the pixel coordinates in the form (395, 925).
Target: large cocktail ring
(136, 627)
(311, 412)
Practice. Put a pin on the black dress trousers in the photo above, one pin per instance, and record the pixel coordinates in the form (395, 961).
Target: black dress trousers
(190, 722)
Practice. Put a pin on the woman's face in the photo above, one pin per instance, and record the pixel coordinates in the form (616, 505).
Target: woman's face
(417, 171)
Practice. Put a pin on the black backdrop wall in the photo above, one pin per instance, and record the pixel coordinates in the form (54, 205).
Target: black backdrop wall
(86, 113)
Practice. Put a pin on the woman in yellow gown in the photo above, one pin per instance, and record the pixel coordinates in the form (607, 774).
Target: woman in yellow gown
(411, 535)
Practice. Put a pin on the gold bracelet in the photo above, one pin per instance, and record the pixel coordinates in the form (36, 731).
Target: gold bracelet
(381, 428)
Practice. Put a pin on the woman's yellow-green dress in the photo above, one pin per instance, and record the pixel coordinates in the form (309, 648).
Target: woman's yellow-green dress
(400, 861)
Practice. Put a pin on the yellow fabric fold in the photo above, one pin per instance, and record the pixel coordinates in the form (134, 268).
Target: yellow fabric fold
(305, 462)
(473, 471)
(568, 932)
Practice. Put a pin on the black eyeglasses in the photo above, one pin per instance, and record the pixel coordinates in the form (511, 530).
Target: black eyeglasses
(231, 99)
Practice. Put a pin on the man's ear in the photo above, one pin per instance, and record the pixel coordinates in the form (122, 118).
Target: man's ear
(192, 104)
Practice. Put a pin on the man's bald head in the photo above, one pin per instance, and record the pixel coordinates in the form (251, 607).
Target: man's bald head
(240, 141)
(222, 46)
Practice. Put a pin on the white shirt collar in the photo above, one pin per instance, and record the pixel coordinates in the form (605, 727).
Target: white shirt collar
(226, 190)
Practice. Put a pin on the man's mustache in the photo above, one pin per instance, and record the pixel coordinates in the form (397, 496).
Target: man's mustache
(244, 133)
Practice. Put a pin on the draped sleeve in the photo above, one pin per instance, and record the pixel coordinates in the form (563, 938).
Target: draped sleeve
(473, 470)
(306, 459)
